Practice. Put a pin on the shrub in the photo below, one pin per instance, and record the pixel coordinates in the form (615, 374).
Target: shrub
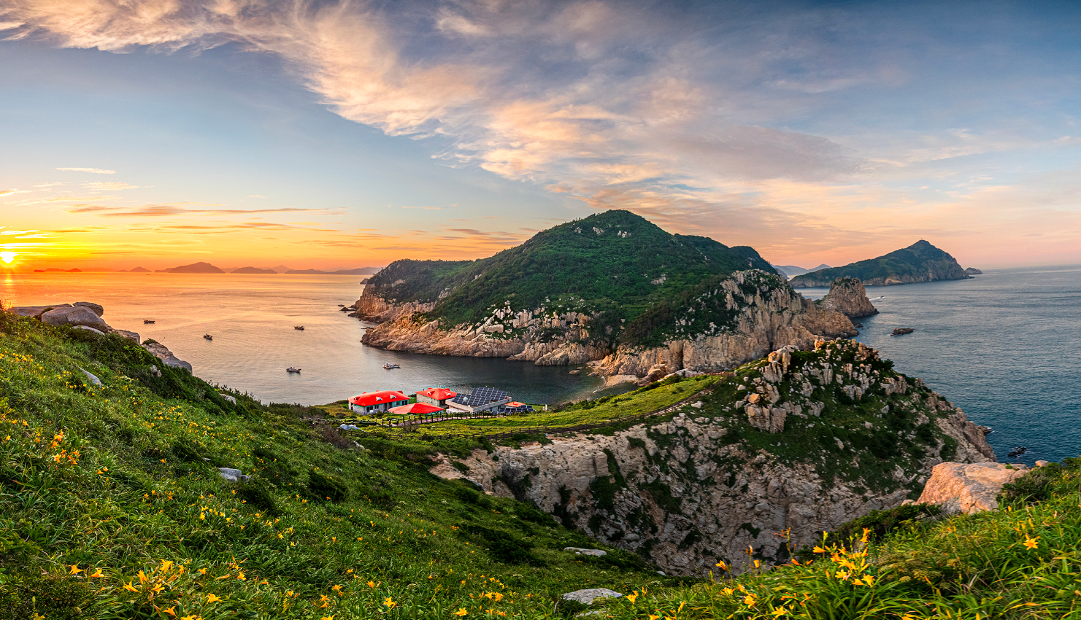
(324, 486)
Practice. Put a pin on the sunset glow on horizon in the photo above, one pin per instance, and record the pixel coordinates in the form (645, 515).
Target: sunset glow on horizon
(350, 134)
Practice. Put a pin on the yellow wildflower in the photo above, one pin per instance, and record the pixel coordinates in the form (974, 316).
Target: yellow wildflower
(1030, 543)
(461, 612)
(212, 598)
(75, 570)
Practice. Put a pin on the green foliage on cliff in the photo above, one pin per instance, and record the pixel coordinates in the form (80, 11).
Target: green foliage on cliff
(914, 262)
(111, 506)
(613, 261)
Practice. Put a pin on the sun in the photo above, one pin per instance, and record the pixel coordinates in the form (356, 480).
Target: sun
(8, 257)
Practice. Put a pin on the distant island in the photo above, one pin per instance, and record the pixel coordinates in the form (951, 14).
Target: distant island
(140, 270)
(193, 268)
(58, 270)
(791, 271)
(359, 271)
(254, 270)
(919, 262)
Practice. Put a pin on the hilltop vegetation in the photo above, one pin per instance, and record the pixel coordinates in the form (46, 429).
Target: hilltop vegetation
(111, 505)
(919, 262)
(614, 262)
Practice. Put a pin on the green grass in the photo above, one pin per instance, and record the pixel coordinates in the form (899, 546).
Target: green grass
(111, 506)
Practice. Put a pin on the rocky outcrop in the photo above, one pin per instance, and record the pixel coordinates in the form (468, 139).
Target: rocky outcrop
(969, 487)
(162, 352)
(706, 484)
(96, 308)
(972, 271)
(35, 312)
(75, 316)
(767, 318)
(848, 297)
(375, 308)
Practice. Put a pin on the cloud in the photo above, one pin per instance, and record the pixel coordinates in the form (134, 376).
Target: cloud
(109, 186)
(90, 170)
(5, 192)
(170, 210)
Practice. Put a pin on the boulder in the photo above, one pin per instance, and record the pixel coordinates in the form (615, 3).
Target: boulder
(90, 375)
(162, 352)
(228, 397)
(98, 310)
(35, 312)
(581, 551)
(232, 475)
(968, 487)
(74, 316)
(587, 596)
(130, 335)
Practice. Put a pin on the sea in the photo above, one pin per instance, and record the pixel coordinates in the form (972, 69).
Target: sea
(1004, 346)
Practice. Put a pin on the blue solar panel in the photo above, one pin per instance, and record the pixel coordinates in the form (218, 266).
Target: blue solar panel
(480, 397)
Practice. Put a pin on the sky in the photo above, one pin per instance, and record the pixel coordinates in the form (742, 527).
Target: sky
(349, 133)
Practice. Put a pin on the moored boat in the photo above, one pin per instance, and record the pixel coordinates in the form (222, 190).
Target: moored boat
(208, 336)
(291, 369)
(148, 321)
(390, 366)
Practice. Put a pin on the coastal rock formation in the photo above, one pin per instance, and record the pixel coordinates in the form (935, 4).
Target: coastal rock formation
(162, 352)
(704, 485)
(972, 271)
(35, 312)
(848, 297)
(375, 308)
(919, 262)
(764, 318)
(969, 487)
(759, 312)
(75, 316)
(97, 308)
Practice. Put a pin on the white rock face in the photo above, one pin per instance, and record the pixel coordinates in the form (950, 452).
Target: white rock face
(587, 596)
(969, 487)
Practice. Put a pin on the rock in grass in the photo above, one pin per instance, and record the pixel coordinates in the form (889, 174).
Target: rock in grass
(232, 475)
(580, 551)
(587, 596)
(36, 311)
(90, 375)
(129, 335)
(968, 487)
(227, 397)
(74, 316)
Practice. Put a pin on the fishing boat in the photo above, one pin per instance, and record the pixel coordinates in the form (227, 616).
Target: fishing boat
(299, 327)
(148, 321)
(208, 336)
(390, 366)
(291, 369)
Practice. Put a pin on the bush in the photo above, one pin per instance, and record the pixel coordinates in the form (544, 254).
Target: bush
(256, 494)
(1035, 486)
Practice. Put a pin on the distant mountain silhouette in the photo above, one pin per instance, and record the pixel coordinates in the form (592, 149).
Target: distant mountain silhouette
(193, 268)
(792, 271)
(254, 270)
(359, 271)
(140, 270)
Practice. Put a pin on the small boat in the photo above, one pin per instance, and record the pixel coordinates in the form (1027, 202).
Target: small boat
(298, 327)
(1018, 451)
(390, 366)
(148, 321)
(208, 336)
(291, 369)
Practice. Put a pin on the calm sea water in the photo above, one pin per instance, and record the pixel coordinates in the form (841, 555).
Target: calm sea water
(251, 318)
(1005, 346)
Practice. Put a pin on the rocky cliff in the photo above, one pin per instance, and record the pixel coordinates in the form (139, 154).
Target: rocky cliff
(777, 452)
(848, 297)
(740, 318)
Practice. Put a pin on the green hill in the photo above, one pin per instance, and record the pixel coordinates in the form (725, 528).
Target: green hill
(112, 506)
(614, 260)
(919, 262)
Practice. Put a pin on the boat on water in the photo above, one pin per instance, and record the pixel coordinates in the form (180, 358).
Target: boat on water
(390, 366)
(298, 327)
(208, 336)
(291, 369)
(148, 321)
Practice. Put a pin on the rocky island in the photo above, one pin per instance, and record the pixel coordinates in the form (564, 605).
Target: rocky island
(613, 289)
(919, 262)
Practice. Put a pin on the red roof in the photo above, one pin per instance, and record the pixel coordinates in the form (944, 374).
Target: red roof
(437, 393)
(515, 403)
(416, 408)
(368, 399)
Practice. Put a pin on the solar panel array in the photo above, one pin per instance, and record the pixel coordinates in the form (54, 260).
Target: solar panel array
(480, 396)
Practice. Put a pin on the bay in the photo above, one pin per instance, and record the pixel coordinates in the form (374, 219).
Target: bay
(252, 319)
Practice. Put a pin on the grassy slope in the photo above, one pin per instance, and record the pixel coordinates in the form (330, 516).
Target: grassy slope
(910, 261)
(105, 494)
(610, 272)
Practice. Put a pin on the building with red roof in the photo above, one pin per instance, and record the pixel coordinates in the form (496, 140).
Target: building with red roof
(436, 396)
(371, 402)
(416, 409)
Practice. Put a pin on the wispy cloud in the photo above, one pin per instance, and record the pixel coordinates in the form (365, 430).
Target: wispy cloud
(89, 170)
(171, 210)
(105, 186)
